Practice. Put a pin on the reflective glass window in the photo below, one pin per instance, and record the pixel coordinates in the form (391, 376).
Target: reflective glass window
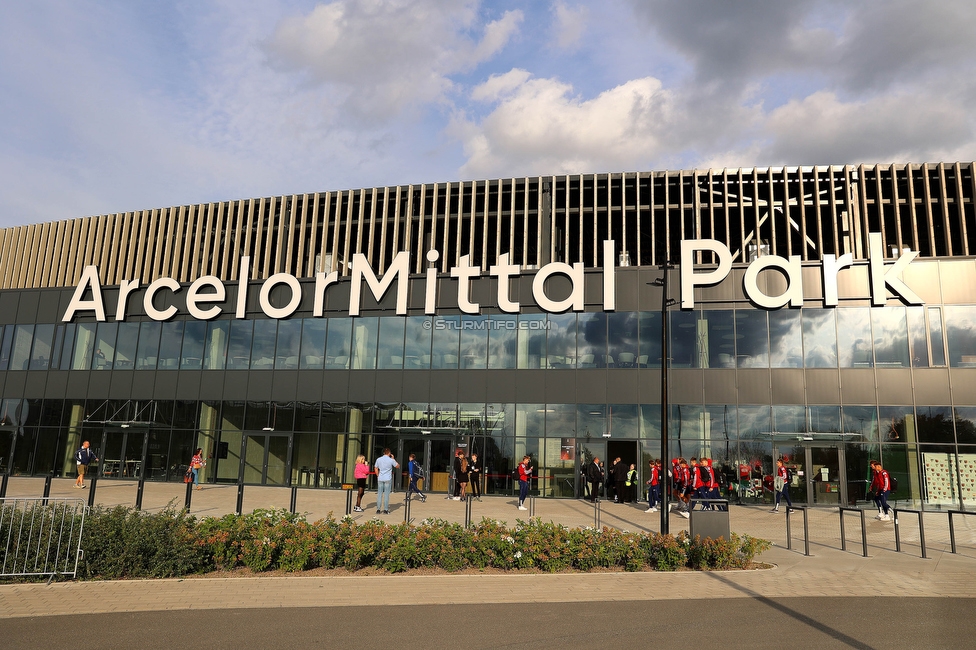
(84, 346)
(789, 419)
(530, 420)
(936, 336)
(785, 339)
(364, 333)
(561, 341)
(751, 339)
(8, 333)
(390, 343)
(416, 345)
(754, 422)
(824, 420)
(720, 428)
(58, 346)
(473, 342)
(337, 346)
(820, 338)
(170, 337)
(312, 356)
(965, 419)
(194, 338)
(215, 351)
(649, 355)
(684, 339)
(623, 421)
(288, 344)
(66, 348)
(445, 342)
(853, 337)
(897, 424)
(686, 426)
(917, 340)
(105, 346)
(502, 340)
(41, 353)
(890, 337)
(934, 424)
(716, 339)
(561, 420)
(20, 354)
(263, 344)
(148, 352)
(591, 420)
(622, 338)
(532, 340)
(960, 327)
(239, 344)
(125, 346)
(860, 423)
(591, 341)
(650, 421)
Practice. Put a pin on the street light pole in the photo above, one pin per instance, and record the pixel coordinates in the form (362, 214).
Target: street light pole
(663, 477)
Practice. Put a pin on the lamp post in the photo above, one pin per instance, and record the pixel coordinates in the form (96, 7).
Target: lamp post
(664, 479)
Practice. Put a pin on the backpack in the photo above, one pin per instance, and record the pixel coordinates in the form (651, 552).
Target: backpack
(78, 456)
(893, 482)
(515, 474)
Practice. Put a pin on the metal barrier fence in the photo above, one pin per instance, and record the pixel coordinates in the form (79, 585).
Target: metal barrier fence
(806, 529)
(921, 529)
(952, 527)
(864, 530)
(41, 536)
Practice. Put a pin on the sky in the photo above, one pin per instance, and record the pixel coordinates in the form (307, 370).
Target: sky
(119, 105)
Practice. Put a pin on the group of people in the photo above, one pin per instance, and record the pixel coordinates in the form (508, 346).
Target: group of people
(467, 473)
(384, 466)
(621, 485)
(881, 487)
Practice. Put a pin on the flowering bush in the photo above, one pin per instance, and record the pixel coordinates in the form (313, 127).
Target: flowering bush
(268, 540)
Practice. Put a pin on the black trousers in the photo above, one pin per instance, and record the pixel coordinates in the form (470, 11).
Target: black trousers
(594, 490)
(474, 484)
(622, 492)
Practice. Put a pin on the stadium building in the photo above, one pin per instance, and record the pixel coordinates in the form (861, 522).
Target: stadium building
(825, 315)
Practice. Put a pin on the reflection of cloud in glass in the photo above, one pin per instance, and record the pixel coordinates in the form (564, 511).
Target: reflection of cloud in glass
(819, 338)
(785, 343)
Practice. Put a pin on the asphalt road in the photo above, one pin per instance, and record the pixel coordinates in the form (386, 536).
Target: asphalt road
(809, 623)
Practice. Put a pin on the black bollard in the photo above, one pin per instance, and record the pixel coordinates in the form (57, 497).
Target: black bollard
(3, 490)
(348, 502)
(91, 490)
(47, 488)
(240, 497)
(189, 495)
(139, 490)
(294, 498)
(406, 507)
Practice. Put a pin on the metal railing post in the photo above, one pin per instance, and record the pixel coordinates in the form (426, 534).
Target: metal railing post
(91, 490)
(597, 513)
(921, 535)
(864, 535)
(532, 506)
(843, 533)
(3, 487)
(349, 502)
(294, 499)
(806, 531)
(139, 490)
(47, 489)
(189, 495)
(864, 529)
(467, 511)
(240, 497)
(789, 531)
(406, 506)
(897, 534)
(921, 530)
(952, 531)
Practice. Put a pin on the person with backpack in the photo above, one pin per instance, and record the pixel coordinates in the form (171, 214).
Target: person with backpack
(594, 476)
(83, 458)
(881, 486)
(654, 485)
(781, 485)
(705, 477)
(699, 485)
(525, 475)
(416, 473)
(715, 489)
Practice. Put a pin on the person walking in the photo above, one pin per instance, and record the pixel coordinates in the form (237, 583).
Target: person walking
(685, 488)
(416, 473)
(594, 476)
(385, 465)
(474, 474)
(881, 486)
(781, 485)
(83, 458)
(196, 464)
(654, 485)
(361, 473)
(525, 475)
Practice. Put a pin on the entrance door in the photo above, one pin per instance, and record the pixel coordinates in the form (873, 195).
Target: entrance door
(628, 453)
(586, 451)
(265, 459)
(122, 453)
(435, 455)
(818, 474)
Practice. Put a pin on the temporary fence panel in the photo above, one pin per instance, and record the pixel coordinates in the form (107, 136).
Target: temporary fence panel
(41, 537)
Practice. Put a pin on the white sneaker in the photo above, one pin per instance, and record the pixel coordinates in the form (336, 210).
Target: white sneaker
(885, 517)
(651, 509)
(670, 506)
(879, 516)
(522, 508)
(684, 513)
(456, 498)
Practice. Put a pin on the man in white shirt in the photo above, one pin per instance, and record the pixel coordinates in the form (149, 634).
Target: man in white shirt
(384, 480)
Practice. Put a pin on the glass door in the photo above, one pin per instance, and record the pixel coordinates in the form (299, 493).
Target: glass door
(825, 485)
(121, 454)
(585, 453)
(265, 459)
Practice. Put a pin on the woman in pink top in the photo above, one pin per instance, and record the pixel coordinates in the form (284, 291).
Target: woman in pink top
(361, 472)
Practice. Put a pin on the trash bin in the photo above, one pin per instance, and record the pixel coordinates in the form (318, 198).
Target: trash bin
(710, 523)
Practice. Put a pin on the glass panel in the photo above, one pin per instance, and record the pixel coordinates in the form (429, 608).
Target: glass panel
(561, 341)
(935, 424)
(684, 339)
(825, 474)
(5, 351)
(650, 340)
(416, 347)
(622, 336)
(820, 338)
(857, 459)
(263, 344)
(277, 460)
(20, 356)
(623, 421)
(532, 340)
(716, 339)
(901, 461)
(936, 336)
(751, 339)
(650, 421)
(960, 325)
(591, 341)
(965, 417)
(446, 342)
(289, 344)
(824, 420)
(169, 346)
(754, 463)
(890, 337)
(686, 426)
(719, 432)
(148, 353)
(125, 349)
(215, 352)
(785, 339)
(305, 470)
(254, 458)
(473, 342)
(337, 348)
(916, 337)
(854, 338)
(105, 346)
(239, 345)
(41, 354)
(194, 338)
(364, 343)
(967, 476)
(390, 345)
(530, 420)
(502, 340)
(84, 346)
(66, 350)
(940, 474)
(312, 356)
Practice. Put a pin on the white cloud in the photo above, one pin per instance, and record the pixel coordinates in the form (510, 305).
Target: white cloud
(570, 24)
